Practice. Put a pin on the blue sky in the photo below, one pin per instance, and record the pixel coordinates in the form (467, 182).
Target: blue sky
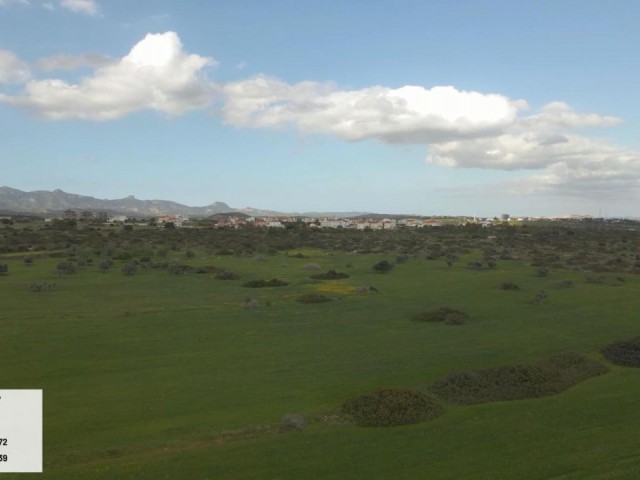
(427, 107)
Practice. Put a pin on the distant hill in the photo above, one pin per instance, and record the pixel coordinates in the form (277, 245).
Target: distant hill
(49, 203)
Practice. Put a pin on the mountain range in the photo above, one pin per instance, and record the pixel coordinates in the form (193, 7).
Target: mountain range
(54, 202)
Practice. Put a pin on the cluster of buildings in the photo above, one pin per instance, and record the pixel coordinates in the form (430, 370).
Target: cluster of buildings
(231, 220)
(328, 222)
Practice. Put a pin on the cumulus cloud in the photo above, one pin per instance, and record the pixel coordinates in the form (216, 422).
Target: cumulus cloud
(410, 114)
(88, 7)
(156, 75)
(72, 62)
(12, 69)
(567, 163)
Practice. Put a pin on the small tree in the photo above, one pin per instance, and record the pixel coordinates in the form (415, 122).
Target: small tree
(540, 297)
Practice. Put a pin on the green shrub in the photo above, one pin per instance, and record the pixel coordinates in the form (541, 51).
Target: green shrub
(330, 275)
(389, 407)
(548, 376)
(383, 266)
(510, 286)
(624, 352)
(450, 316)
(313, 298)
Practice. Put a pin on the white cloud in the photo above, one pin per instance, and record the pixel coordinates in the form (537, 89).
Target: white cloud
(156, 75)
(568, 164)
(73, 62)
(12, 69)
(88, 7)
(409, 114)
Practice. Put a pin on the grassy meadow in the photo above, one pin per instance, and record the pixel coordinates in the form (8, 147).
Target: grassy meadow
(154, 376)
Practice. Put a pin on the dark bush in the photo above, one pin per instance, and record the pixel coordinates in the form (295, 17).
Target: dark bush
(313, 298)
(129, 269)
(105, 265)
(624, 352)
(450, 316)
(265, 283)
(4, 269)
(565, 284)
(596, 279)
(542, 272)
(227, 275)
(330, 275)
(67, 267)
(510, 286)
(207, 269)
(389, 407)
(180, 269)
(548, 376)
(383, 266)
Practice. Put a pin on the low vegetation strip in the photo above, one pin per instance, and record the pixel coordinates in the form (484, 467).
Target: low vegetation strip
(623, 352)
(330, 275)
(389, 407)
(450, 316)
(548, 376)
(274, 282)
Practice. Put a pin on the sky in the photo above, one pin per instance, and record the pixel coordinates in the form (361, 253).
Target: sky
(466, 107)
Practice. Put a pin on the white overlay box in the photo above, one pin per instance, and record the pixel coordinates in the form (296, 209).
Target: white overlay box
(20, 430)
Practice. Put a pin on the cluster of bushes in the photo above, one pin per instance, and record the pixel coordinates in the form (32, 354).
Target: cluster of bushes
(480, 265)
(313, 298)
(449, 316)
(330, 275)
(623, 352)
(274, 282)
(392, 406)
(549, 376)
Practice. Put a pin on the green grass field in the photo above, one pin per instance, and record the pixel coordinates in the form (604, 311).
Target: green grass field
(155, 376)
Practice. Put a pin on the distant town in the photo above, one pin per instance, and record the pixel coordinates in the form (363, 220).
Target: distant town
(233, 220)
